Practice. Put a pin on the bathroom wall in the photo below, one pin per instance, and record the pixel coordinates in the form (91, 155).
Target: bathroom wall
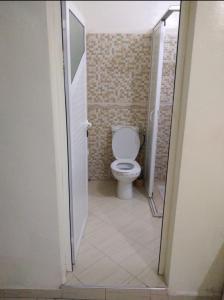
(31, 255)
(118, 68)
(166, 102)
(195, 262)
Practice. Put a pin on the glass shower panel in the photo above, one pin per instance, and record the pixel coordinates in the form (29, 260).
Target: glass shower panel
(155, 89)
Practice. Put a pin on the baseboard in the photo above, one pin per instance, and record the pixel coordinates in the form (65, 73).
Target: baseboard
(187, 297)
(202, 295)
(101, 294)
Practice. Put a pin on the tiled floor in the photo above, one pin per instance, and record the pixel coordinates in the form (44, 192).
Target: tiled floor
(121, 243)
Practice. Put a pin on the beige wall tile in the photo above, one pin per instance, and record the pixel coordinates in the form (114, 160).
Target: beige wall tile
(118, 80)
(118, 85)
(166, 104)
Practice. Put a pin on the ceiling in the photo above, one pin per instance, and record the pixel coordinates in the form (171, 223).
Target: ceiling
(122, 16)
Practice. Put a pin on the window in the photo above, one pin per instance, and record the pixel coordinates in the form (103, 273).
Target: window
(77, 43)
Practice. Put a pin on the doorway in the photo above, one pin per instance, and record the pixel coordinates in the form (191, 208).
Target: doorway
(114, 242)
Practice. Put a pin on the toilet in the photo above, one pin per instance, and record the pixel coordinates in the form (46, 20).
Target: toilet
(125, 147)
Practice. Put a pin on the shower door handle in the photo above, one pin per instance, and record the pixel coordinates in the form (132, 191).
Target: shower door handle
(88, 125)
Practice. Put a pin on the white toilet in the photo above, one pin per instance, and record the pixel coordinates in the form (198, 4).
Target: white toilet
(125, 146)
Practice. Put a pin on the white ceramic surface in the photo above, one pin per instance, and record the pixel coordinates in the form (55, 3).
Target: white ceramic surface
(125, 143)
(125, 146)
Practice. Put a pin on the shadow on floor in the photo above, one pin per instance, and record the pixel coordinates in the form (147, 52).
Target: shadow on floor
(214, 280)
(107, 188)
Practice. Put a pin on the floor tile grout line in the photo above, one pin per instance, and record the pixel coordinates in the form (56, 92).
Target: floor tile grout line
(118, 262)
(122, 267)
(131, 274)
(92, 264)
(120, 231)
(112, 272)
(134, 275)
(137, 240)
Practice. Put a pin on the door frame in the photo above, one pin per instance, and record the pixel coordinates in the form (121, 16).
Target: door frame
(185, 40)
(67, 117)
(66, 80)
(154, 108)
(154, 114)
(176, 131)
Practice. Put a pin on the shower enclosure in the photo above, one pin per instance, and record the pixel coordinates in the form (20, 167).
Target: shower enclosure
(157, 139)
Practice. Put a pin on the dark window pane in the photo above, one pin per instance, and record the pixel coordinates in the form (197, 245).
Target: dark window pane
(77, 42)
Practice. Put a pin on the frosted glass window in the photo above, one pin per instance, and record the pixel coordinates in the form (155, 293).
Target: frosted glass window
(77, 42)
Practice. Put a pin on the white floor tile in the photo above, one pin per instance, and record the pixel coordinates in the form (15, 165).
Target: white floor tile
(134, 283)
(97, 272)
(117, 278)
(151, 279)
(121, 243)
(86, 259)
(134, 264)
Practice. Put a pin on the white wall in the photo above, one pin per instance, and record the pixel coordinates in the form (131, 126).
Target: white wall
(122, 16)
(30, 255)
(196, 262)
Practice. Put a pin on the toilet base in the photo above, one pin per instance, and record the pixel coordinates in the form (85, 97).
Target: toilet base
(124, 190)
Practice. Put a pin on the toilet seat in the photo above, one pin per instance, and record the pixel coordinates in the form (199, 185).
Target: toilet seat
(126, 166)
(125, 143)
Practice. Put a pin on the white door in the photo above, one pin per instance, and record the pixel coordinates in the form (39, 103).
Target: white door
(155, 88)
(76, 106)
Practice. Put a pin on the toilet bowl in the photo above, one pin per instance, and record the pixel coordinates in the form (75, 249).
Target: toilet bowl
(125, 171)
(125, 146)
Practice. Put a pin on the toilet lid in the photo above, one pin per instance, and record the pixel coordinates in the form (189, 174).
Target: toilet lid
(125, 143)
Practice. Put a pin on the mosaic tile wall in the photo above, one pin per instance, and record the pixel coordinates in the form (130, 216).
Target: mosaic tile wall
(118, 68)
(166, 102)
(118, 89)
